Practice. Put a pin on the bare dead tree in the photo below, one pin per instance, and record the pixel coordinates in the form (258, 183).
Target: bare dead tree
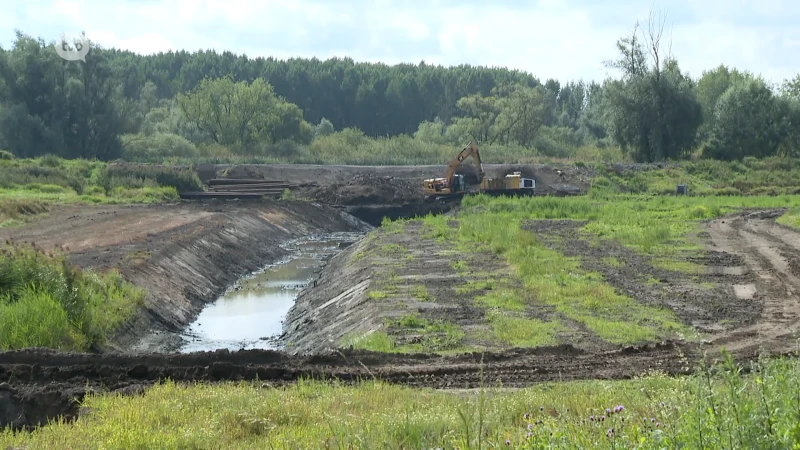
(652, 38)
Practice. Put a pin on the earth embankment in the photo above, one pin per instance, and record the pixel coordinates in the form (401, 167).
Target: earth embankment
(184, 255)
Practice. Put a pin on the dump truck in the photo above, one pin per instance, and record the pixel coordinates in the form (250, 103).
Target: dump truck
(453, 185)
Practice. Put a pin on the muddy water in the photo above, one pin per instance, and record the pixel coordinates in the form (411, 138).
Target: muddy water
(250, 314)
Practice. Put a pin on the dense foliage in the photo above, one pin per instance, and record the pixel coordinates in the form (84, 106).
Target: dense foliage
(210, 105)
(45, 302)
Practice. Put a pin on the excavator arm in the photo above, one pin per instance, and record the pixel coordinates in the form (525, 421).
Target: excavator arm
(446, 185)
(470, 150)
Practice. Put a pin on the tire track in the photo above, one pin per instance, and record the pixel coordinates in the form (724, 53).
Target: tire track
(764, 245)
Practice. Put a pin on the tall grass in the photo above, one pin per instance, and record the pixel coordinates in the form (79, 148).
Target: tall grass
(45, 302)
(50, 179)
(716, 408)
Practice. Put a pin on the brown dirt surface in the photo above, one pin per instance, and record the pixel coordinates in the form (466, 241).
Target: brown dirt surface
(769, 251)
(382, 185)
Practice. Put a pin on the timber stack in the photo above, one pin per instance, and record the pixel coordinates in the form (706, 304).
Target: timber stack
(241, 188)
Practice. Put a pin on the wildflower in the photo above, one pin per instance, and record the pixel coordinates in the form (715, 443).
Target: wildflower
(619, 409)
(653, 420)
(658, 424)
(530, 426)
(591, 418)
(527, 416)
(602, 418)
(541, 408)
(608, 411)
(508, 442)
(529, 435)
(610, 433)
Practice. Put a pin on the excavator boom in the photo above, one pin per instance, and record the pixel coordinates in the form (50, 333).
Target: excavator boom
(447, 185)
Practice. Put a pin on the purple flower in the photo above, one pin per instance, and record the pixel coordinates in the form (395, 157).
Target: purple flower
(508, 442)
(658, 424)
(653, 420)
(619, 409)
(591, 418)
(610, 432)
(608, 411)
(530, 426)
(602, 418)
(541, 408)
(529, 435)
(527, 416)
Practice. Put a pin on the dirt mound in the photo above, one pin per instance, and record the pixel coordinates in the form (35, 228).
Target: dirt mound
(365, 189)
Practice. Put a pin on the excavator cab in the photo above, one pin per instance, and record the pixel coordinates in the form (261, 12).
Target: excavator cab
(452, 183)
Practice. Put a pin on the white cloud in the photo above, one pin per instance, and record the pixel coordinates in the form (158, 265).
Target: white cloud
(563, 39)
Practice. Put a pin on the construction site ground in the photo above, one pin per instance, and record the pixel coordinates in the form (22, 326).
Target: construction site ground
(746, 297)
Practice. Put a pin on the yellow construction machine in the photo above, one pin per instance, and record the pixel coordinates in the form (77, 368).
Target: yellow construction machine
(453, 185)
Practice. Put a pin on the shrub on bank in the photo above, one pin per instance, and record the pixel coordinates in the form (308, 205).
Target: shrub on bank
(45, 302)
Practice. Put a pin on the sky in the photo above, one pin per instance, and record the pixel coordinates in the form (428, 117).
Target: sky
(561, 39)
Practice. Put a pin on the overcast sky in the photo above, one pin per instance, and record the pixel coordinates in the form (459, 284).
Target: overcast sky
(563, 39)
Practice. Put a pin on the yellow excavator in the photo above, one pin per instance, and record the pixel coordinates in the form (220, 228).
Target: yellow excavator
(453, 184)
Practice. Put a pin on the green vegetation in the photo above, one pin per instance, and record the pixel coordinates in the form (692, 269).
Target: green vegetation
(791, 218)
(717, 408)
(424, 337)
(45, 302)
(219, 107)
(28, 185)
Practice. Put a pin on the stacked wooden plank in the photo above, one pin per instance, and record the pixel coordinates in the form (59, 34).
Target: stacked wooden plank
(244, 188)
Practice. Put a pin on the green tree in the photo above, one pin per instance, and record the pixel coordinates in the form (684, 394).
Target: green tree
(749, 120)
(243, 115)
(652, 111)
(710, 88)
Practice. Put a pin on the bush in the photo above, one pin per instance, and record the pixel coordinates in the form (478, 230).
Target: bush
(157, 147)
(6, 155)
(45, 302)
(182, 179)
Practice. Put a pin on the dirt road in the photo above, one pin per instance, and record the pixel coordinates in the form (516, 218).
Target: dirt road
(772, 253)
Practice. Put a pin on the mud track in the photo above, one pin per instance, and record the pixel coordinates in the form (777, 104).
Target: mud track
(771, 252)
(36, 385)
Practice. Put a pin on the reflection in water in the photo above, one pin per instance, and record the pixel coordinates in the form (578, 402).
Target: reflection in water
(250, 315)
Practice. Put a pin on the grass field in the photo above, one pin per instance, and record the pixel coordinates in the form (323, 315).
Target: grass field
(717, 408)
(661, 228)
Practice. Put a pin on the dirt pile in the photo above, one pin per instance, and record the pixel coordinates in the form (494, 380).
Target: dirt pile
(369, 189)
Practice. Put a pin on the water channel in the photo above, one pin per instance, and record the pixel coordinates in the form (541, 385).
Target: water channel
(250, 314)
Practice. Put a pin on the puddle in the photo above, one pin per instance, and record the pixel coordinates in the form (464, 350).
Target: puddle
(250, 315)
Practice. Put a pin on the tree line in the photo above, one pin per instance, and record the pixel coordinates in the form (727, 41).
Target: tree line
(206, 103)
